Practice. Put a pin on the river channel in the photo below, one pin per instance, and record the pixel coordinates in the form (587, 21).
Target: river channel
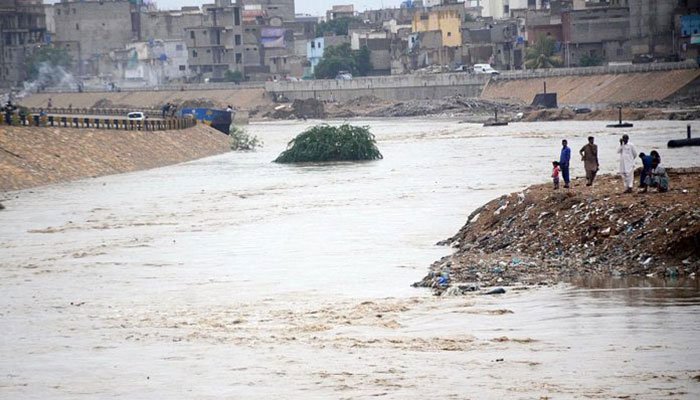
(235, 277)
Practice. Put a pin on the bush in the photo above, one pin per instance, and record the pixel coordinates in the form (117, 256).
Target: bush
(233, 76)
(240, 140)
(331, 143)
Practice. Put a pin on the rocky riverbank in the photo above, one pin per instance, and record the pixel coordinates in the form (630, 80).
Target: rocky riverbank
(31, 156)
(543, 236)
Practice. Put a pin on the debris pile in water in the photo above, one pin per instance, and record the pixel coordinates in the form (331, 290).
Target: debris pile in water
(541, 235)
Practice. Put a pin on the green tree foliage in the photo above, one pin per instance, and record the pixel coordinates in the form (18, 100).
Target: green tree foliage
(362, 61)
(242, 141)
(52, 57)
(343, 58)
(588, 60)
(542, 54)
(331, 143)
(233, 76)
(338, 26)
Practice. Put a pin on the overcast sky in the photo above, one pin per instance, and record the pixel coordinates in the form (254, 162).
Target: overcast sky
(314, 7)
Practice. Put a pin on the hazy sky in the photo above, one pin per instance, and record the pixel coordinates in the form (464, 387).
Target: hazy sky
(314, 7)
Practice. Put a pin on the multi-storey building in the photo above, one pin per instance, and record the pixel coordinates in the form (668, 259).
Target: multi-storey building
(22, 30)
(215, 44)
(89, 29)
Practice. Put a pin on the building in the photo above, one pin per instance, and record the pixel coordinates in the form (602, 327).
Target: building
(89, 29)
(446, 21)
(282, 9)
(600, 33)
(341, 11)
(215, 44)
(151, 63)
(22, 31)
(651, 26)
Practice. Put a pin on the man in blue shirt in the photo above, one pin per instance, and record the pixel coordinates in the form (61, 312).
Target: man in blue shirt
(564, 159)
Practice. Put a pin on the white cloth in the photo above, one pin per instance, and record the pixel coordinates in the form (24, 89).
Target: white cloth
(627, 154)
(628, 179)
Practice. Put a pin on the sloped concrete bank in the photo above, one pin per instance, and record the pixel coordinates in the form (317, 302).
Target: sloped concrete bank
(595, 89)
(32, 157)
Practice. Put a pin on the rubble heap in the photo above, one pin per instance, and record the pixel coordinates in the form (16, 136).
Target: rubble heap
(452, 104)
(541, 235)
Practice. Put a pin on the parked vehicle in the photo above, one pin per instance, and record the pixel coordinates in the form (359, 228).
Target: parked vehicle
(136, 116)
(343, 76)
(581, 110)
(642, 59)
(485, 69)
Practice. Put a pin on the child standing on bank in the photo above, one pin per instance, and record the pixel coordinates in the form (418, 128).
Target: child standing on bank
(555, 174)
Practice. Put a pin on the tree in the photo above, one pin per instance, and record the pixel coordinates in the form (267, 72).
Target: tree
(338, 26)
(343, 58)
(233, 76)
(542, 54)
(363, 62)
(588, 60)
(323, 143)
(50, 57)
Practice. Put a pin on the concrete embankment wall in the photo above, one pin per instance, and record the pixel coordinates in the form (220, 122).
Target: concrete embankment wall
(595, 89)
(245, 98)
(399, 88)
(32, 156)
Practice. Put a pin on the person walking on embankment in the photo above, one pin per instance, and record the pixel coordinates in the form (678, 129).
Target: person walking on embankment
(627, 154)
(589, 156)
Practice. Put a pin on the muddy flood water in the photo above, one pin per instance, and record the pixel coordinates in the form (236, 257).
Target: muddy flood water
(234, 277)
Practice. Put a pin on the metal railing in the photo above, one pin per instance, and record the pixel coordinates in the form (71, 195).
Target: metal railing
(98, 123)
(147, 111)
(165, 87)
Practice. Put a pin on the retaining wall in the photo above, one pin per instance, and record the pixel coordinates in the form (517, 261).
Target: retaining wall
(398, 87)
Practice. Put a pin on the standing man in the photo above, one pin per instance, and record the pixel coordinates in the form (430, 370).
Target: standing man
(627, 154)
(589, 156)
(564, 159)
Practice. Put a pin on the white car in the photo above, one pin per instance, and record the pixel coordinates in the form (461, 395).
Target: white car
(485, 69)
(136, 116)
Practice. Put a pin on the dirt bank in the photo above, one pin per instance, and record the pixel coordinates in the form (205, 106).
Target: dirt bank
(541, 235)
(38, 156)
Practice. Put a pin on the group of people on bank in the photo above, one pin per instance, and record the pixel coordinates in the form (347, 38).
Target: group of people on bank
(653, 174)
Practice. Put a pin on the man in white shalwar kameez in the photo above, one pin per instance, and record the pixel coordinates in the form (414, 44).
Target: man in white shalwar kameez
(627, 154)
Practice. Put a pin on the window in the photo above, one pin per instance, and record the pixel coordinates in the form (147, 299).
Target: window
(449, 34)
(74, 11)
(236, 16)
(208, 51)
(204, 33)
(191, 34)
(58, 11)
(77, 27)
(194, 53)
(620, 52)
(237, 40)
(181, 67)
(178, 47)
(313, 44)
(319, 45)
(239, 58)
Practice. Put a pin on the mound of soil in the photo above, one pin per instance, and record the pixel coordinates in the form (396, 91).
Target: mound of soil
(545, 235)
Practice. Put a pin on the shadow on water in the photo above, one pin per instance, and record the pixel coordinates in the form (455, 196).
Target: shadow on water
(640, 291)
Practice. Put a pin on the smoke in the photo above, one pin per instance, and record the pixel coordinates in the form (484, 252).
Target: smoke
(50, 76)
